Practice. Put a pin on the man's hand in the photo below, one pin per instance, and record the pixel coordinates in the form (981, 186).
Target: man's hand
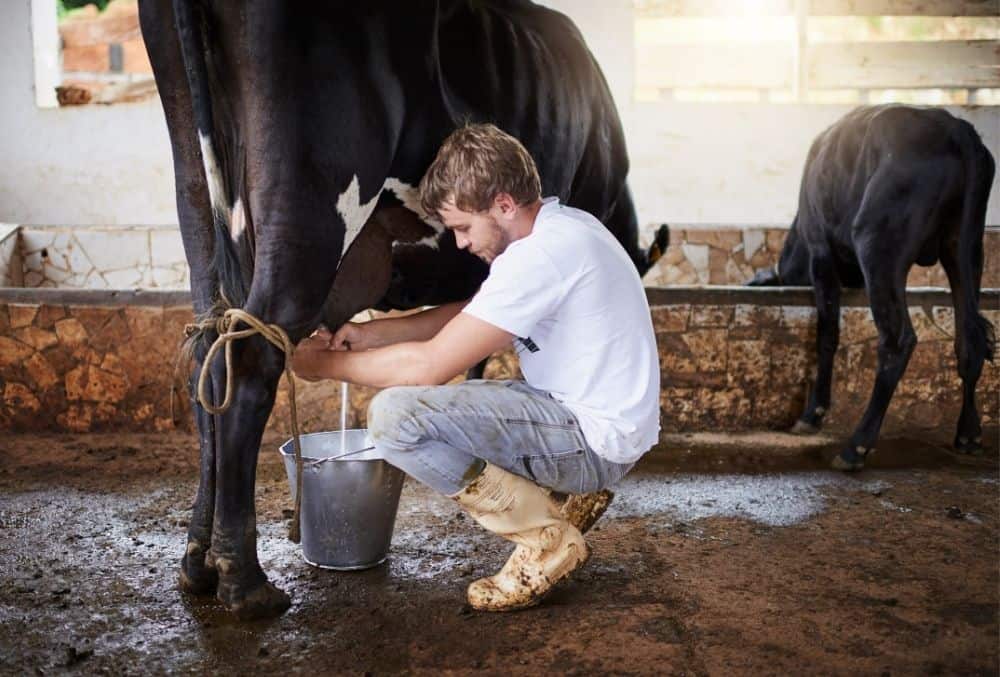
(311, 354)
(313, 359)
(353, 336)
(318, 340)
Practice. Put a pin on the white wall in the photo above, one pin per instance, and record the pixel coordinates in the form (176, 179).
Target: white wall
(691, 163)
(89, 165)
(741, 163)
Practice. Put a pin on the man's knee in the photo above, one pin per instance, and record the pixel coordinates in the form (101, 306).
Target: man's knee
(390, 410)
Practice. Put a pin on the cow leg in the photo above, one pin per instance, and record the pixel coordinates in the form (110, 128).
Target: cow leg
(291, 282)
(972, 345)
(896, 341)
(826, 285)
(197, 574)
(243, 587)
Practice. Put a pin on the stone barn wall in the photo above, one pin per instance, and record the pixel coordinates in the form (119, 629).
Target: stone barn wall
(731, 359)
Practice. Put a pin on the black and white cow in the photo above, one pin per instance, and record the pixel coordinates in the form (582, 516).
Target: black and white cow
(299, 132)
(886, 187)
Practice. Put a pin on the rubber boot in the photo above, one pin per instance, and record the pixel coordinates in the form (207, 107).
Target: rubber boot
(549, 548)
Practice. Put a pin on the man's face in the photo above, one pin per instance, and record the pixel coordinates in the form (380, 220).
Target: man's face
(479, 232)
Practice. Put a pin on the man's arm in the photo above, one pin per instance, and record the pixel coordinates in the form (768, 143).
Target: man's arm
(463, 342)
(421, 326)
(386, 331)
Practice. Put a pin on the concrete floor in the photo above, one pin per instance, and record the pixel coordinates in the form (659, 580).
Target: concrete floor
(720, 555)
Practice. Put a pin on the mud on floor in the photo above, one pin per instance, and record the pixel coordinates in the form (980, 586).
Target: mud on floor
(720, 555)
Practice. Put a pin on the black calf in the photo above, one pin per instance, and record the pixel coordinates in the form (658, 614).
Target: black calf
(884, 188)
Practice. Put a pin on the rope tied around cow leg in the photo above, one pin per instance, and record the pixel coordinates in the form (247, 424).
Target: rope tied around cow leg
(226, 327)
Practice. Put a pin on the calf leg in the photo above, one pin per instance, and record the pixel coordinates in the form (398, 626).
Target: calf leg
(973, 345)
(826, 285)
(896, 341)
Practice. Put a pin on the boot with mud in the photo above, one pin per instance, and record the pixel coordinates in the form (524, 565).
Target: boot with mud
(549, 547)
(583, 510)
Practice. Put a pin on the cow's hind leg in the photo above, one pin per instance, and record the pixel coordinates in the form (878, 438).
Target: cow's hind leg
(198, 575)
(896, 341)
(826, 286)
(974, 343)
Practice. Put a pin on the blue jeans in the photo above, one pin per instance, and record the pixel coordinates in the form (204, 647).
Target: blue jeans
(442, 435)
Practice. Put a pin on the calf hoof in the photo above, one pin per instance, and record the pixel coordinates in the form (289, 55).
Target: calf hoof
(969, 445)
(804, 428)
(851, 460)
(198, 575)
(264, 601)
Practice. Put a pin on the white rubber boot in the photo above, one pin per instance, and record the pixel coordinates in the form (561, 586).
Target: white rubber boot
(548, 548)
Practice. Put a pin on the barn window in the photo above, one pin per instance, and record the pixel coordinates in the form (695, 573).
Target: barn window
(818, 51)
(89, 51)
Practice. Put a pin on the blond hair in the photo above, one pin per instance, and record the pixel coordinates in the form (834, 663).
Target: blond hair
(474, 165)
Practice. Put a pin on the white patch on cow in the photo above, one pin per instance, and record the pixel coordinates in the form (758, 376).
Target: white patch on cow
(237, 220)
(354, 214)
(410, 197)
(213, 175)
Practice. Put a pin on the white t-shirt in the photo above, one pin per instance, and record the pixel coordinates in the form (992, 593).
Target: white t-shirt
(573, 297)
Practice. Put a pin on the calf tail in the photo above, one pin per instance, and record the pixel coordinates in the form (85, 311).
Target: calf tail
(233, 237)
(978, 333)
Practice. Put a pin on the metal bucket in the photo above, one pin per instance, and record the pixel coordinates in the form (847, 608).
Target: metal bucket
(348, 505)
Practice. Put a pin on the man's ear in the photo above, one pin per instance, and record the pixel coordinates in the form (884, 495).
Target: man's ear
(505, 204)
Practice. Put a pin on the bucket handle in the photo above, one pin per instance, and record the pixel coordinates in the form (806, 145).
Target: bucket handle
(320, 461)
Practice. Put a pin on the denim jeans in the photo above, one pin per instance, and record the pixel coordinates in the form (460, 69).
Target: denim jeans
(442, 435)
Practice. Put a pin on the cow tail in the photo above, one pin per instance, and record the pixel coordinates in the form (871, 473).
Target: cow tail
(978, 332)
(233, 255)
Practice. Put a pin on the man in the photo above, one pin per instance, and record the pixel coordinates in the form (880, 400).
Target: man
(563, 290)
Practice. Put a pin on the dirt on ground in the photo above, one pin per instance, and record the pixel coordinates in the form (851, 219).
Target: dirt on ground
(721, 555)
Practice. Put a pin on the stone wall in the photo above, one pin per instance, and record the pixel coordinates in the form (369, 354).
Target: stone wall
(97, 258)
(729, 255)
(743, 366)
(153, 257)
(730, 360)
(11, 267)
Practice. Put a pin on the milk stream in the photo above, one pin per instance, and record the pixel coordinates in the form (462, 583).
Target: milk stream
(343, 416)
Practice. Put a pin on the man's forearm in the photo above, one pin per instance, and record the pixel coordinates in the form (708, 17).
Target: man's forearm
(421, 326)
(405, 363)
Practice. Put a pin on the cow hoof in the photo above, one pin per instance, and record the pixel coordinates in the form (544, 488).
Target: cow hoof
(969, 445)
(264, 601)
(851, 460)
(840, 463)
(197, 575)
(804, 428)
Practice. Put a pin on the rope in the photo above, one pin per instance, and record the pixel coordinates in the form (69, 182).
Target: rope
(276, 336)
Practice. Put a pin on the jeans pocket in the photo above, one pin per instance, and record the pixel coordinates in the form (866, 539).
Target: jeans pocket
(562, 471)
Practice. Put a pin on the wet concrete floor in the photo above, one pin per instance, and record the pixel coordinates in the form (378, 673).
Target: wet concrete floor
(721, 555)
